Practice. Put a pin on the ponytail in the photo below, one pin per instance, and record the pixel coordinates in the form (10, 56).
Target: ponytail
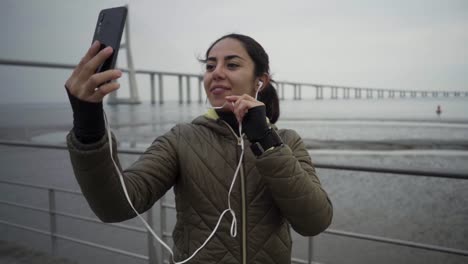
(269, 97)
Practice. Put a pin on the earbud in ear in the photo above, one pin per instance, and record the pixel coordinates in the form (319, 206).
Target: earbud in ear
(260, 84)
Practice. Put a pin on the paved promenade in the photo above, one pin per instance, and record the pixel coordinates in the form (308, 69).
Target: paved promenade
(12, 253)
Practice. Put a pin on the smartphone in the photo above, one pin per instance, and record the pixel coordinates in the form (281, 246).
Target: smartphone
(109, 30)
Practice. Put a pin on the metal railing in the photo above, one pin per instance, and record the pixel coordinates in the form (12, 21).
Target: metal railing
(152, 255)
(333, 91)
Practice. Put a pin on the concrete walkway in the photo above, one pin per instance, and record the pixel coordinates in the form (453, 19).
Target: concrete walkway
(12, 253)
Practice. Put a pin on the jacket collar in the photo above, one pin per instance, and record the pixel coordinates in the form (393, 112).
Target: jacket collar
(211, 120)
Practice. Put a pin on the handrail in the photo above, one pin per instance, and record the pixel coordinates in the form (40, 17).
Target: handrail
(437, 174)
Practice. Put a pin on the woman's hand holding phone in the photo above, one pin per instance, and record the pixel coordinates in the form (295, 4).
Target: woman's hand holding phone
(87, 85)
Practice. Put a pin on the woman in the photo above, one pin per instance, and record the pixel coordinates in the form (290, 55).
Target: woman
(276, 186)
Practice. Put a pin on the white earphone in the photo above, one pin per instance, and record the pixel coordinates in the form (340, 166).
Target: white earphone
(260, 84)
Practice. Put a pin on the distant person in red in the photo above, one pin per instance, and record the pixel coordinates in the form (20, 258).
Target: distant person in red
(439, 110)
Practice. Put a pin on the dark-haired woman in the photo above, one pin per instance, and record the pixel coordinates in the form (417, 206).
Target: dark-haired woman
(231, 159)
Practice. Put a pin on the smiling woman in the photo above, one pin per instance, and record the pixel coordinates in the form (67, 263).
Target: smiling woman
(264, 190)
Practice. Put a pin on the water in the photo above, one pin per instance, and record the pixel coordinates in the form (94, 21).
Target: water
(402, 133)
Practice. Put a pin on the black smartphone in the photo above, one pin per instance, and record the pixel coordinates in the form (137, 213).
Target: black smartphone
(109, 30)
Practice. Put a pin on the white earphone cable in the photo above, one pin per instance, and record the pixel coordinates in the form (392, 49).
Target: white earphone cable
(233, 230)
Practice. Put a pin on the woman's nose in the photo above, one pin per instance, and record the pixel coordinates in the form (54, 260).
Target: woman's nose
(218, 72)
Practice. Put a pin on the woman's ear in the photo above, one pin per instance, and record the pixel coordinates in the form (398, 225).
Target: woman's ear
(262, 82)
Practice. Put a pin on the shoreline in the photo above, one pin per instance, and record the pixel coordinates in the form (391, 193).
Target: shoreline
(56, 135)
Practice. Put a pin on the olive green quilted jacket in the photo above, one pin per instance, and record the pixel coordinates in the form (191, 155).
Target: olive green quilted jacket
(277, 190)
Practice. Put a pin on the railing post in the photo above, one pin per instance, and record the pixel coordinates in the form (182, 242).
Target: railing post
(188, 89)
(153, 96)
(282, 91)
(160, 85)
(180, 90)
(295, 92)
(300, 91)
(52, 221)
(152, 256)
(200, 81)
(310, 253)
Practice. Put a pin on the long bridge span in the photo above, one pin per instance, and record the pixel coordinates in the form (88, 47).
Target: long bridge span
(286, 89)
(324, 91)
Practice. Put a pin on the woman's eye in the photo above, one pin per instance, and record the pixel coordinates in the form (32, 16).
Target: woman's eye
(210, 67)
(232, 65)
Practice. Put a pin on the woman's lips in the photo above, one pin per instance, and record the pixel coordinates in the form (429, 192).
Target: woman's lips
(219, 90)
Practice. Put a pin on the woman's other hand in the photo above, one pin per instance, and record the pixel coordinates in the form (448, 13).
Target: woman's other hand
(240, 105)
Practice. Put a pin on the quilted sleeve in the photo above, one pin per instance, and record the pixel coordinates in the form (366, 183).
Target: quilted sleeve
(146, 180)
(295, 187)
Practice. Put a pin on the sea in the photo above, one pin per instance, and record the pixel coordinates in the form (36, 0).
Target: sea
(400, 133)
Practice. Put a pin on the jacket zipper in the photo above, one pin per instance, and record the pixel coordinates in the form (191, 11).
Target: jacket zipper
(243, 203)
(244, 218)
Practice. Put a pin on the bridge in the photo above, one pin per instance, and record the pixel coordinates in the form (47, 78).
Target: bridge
(185, 82)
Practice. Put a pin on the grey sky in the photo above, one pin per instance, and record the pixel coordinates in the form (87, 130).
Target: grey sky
(381, 44)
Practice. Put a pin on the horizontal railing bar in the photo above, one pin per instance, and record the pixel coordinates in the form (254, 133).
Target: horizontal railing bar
(97, 221)
(74, 216)
(72, 66)
(165, 73)
(79, 241)
(36, 64)
(41, 187)
(32, 144)
(32, 229)
(397, 242)
(449, 175)
(28, 144)
(34, 208)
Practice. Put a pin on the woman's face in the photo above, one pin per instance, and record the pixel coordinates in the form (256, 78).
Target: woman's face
(229, 71)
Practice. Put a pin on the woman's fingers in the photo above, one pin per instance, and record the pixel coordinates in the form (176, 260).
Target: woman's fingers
(98, 79)
(93, 49)
(240, 105)
(90, 67)
(104, 90)
(87, 91)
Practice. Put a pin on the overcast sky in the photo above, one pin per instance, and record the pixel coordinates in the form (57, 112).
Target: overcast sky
(404, 44)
